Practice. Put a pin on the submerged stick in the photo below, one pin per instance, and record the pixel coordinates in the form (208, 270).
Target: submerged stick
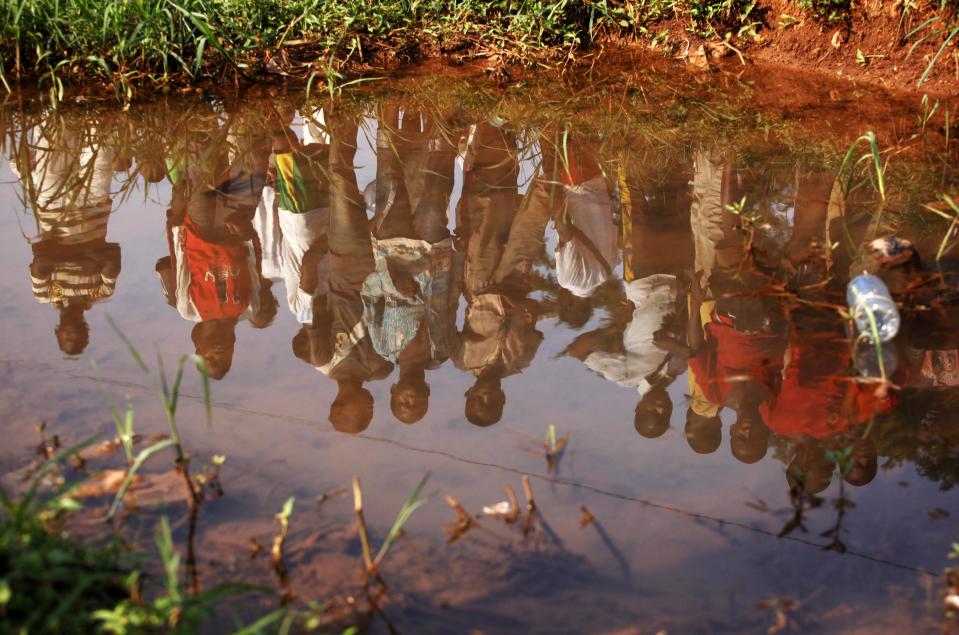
(530, 506)
(513, 505)
(528, 491)
(463, 523)
(364, 537)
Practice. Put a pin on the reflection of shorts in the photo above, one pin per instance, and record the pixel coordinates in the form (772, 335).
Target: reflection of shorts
(240, 195)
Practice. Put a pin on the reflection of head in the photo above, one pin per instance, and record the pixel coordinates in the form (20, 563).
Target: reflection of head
(352, 410)
(484, 403)
(310, 345)
(573, 309)
(153, 170)
(268, 305)
(749, 436)
(810, 471)
(409, 400)
(73, 333)
(703, 434)
(865, 463)
(653, 412)
(214, 341)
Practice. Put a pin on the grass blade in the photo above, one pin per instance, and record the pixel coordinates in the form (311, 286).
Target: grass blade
(413, 503)
(144, 454)
(205, 378)
(130, 347)
(935, 57)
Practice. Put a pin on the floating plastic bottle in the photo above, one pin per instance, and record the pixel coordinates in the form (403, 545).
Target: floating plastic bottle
(867, 294)
(867, 359)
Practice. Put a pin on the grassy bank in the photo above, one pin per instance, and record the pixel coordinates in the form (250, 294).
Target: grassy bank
(163, 43)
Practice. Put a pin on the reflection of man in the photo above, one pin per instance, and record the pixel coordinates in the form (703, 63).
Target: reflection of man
(350, 359)
(501, 236)
(635, 354)
(733, 327)
(67, 180)
(294, 213)
(409, 301)
(643, 348)
(212, 276)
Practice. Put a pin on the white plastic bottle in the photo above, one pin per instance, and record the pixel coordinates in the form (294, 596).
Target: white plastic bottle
(867, 294)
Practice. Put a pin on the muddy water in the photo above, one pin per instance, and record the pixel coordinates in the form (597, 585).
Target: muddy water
(400, 284)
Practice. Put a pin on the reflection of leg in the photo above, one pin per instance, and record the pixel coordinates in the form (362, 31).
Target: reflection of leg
(349, 232)
(393, 216)
(526, 236)
(811, 211)
(430, 218)
(490, 214)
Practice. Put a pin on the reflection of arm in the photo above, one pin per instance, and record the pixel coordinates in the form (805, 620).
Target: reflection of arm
(176, 213)
(312, 260)
(606, 339)
(694, 330)
(167, 267)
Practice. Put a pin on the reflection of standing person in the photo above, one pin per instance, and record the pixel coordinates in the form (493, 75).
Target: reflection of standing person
(294, 214)
(634, 355)
(352, 359)
(658, 254)
(409, 301)
(67, 179)
(213, 274)
(733, 327)
(501, 236)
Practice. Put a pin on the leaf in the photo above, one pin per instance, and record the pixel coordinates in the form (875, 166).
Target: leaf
(935, 58)
(261, 624)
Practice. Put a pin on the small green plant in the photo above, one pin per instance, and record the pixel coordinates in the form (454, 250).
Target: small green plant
(850, 163)
(48, 582)
(953, 221)
(169, 394)
(175, 610)
(828, 10)
(554, 446)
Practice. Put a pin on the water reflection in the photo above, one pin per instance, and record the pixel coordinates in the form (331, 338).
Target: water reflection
(697, 267)
(66, 168)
